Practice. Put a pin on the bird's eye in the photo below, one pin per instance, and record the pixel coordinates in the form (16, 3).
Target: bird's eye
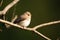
(28, 14)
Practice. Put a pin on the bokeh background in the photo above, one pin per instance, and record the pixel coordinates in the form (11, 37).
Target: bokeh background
(42, 11)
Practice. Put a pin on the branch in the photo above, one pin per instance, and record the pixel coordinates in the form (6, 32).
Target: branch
(34, 28)
(8, 7)
(46, 24)
(10, 23)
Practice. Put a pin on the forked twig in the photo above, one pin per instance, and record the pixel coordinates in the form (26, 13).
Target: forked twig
(32, 29)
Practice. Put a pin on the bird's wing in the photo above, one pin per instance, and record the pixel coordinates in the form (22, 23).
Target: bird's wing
(19, 19)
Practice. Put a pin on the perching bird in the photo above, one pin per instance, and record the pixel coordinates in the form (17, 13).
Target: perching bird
(24, 19)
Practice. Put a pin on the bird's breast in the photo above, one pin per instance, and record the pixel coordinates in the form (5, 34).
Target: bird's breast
(25, 23)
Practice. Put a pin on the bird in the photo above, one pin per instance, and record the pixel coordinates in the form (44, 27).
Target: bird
(24, 19)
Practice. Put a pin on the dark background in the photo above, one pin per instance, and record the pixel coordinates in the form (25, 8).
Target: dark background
(42, 11)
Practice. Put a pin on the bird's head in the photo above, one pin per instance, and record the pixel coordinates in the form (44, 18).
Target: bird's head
(26, 15)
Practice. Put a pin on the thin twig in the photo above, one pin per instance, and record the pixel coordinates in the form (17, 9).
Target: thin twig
(1, 3)
(46, 24)
(14, 10)
(42, 35)
(14, 18)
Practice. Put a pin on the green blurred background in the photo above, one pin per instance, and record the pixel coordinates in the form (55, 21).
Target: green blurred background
(42, 11)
